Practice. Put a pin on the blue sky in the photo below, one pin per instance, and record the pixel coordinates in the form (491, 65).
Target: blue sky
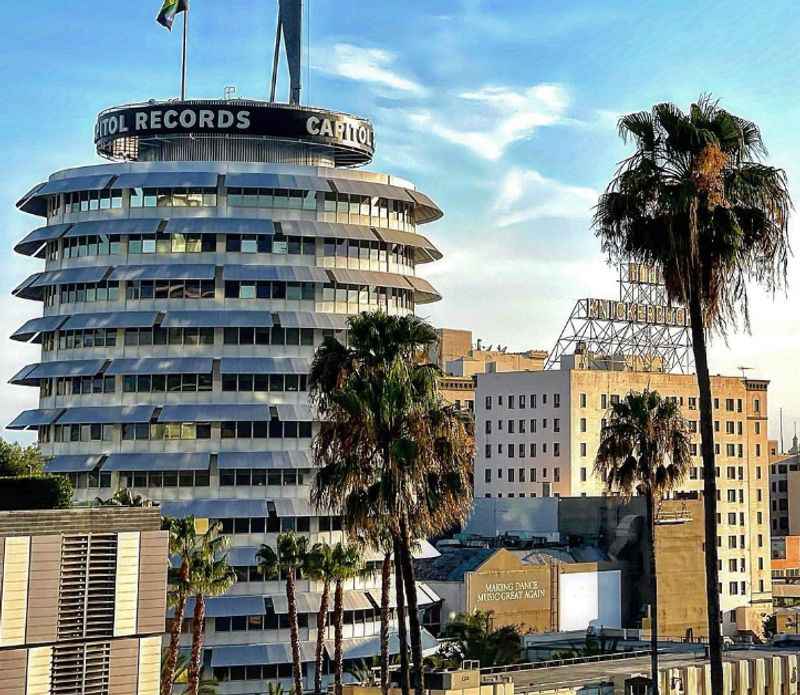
(503, 111)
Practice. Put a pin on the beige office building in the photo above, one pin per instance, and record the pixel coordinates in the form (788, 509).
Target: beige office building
(537, 432)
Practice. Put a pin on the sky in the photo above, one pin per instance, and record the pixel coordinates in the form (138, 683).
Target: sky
(503, 111)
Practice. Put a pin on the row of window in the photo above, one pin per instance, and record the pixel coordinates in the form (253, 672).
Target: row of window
(276, 335)
(522, 400)
(520, 450)
(280, 621)
(264, 382)
(169, 289)
(381, 254)
(81, 292)
(143, 431)
(272, 429)
(173, 383)
(520, 426)
(514, 475)
(342, 207)
(269, 290)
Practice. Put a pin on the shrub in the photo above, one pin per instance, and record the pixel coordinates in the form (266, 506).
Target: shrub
(35, 492)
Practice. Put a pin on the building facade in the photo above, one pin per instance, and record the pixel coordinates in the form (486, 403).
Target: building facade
(185, 286)
(83, 601)
(537, 434)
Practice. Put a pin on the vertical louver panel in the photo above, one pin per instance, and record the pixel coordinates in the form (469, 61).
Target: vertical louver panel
(81, 669)
(14, 602)
(88, 579)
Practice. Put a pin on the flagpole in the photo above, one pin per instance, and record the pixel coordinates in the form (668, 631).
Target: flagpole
(183, 55)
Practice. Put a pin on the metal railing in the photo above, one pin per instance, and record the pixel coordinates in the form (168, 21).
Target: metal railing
(572, 661)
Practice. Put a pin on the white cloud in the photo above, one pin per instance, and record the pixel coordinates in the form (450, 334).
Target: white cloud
(373, 65)
(494, 117)
(524, 194)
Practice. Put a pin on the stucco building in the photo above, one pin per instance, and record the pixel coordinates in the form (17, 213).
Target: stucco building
(537, 434)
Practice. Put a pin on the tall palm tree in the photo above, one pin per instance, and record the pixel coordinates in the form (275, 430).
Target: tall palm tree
(696, 202)
(290, 558)
(644, 449)
(182, 542)
(210, 575)
(321, 567)
(389, 449)
(347, 564)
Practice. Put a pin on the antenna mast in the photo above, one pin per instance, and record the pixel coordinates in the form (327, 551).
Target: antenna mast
(290, 25)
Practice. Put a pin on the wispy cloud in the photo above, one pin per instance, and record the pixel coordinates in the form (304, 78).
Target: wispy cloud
(493, 117)
(524, 194)
(373, 65)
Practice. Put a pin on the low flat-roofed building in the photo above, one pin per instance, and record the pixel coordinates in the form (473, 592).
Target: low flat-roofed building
(83, 601)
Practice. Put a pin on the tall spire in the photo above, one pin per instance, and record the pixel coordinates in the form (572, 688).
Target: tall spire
(290, 25)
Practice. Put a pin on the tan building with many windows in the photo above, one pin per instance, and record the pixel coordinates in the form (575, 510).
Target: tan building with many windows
(537, 432)
(83, 601)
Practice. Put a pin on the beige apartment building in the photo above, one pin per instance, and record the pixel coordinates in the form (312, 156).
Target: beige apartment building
(537, 432)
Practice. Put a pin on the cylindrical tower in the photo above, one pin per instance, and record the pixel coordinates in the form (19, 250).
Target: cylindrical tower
(185, 287)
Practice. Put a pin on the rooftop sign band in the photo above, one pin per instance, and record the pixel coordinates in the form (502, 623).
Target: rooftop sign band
(634, 312)
(256, 119)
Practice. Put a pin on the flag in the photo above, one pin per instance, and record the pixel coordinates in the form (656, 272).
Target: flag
(168, 11)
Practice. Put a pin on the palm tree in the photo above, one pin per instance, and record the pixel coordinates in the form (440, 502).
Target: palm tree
(290, 558)
(472, 636)
(209, 575)
(696, 202)
(321, 567)
(389, 451)
(347, 564)
(182, 542)
(644, 449)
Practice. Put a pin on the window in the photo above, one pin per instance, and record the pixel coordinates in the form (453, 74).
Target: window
(521, 398)
(583, 424)
(583, 400)
(511, 401)
(583, 474)
(583, 448)
(692, 403)
(487, 475)
(556, 400)
(729, 404)
(556, 449)
(533, 450)
(603, 401)
(510, 475)
(488, 402)
(488, 427)
(488, 451)
(556, 424)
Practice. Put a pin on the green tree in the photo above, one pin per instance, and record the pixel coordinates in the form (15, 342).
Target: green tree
(321, 567)
(209, 575)
(182, 542)
(389, 449)
(17, 460)
(291, 558)
(696, 202)
(644, 449)
(474, 637)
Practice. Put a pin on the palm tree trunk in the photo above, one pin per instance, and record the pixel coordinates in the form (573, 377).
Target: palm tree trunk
(386, 580)
(651, 524)
(168, 676)
(337, 638)
(198, 631)
(709, 489)
(294, 633)
(411, 595)
(402, 634)
(322, 621)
